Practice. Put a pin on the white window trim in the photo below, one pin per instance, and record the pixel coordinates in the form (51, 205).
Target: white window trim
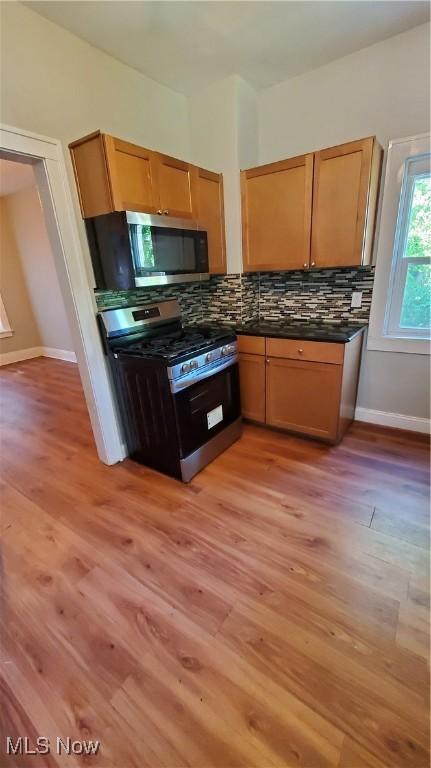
(378, 339)
(5, 329)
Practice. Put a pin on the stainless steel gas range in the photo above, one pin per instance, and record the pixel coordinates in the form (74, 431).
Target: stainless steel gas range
(177, 387)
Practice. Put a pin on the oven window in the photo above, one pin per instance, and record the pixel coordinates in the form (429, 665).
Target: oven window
(194, 404)
(162, 249)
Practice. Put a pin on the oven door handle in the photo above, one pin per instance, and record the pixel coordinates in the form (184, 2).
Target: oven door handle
(177, 385)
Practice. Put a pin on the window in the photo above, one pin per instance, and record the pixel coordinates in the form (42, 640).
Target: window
(401, 307)
(409, 303)
(5, 329)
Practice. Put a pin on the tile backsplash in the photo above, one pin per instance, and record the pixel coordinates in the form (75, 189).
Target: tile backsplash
(323, 294)
(316, 295)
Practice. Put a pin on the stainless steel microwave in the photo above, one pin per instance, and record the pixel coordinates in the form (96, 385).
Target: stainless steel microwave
(134, 250)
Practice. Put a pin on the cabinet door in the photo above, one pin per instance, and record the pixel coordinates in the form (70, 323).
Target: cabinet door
(276, 214)
(340, 203)
(252, 386)
(91, 175)
(303, 396)
(131, 170)
(174, 185)
(210, 213)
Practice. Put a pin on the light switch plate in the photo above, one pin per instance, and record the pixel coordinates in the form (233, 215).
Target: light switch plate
(356, 299)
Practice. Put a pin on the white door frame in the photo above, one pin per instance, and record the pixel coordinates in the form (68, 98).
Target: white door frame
(51, 175)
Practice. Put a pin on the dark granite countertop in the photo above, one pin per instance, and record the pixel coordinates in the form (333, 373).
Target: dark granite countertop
(314, 331)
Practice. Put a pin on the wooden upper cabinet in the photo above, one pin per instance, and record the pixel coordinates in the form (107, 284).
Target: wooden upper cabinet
(276, 214)
(208, 188)
(344, 203)
(131, 171)
(92, 175)
(115, 175)
(174, 183)
(317, 210)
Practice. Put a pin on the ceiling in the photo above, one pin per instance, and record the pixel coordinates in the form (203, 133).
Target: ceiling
(14, 177)
(188, 45)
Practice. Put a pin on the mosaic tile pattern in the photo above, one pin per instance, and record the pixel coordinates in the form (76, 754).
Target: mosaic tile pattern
(323, 295)
(221, 299)
(318, 295)
(188, 295)
(249, 297)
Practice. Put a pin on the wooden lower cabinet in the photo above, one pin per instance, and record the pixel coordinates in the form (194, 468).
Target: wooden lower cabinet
(252, 383)
(303, 397)
(306, 387)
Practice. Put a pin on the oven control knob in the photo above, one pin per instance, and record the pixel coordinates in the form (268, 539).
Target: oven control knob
(209, 357)
(194, 364)
(227, 349)
(185, 368)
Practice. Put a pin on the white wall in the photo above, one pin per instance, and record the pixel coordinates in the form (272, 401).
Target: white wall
(382, 90)
(57, 85)
(27, 222)
(223, 138)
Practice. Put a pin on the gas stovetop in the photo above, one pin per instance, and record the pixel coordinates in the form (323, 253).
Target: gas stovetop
(177, 386)
(154, 334)
(178, 345)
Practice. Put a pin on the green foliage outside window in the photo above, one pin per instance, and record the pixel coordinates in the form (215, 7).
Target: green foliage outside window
(416, 306)
(419, 234)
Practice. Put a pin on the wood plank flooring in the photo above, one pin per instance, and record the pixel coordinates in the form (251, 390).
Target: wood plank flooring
(272, 613)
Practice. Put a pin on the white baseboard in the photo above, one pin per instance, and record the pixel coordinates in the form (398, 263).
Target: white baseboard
(7, 358)
(20, 354)
(59, 354)
(396, 420)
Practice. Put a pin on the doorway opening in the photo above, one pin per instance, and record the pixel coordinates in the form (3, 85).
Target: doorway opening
(34, 321)
(44, 158)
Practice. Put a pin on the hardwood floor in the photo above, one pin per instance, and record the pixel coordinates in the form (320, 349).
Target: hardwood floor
(274, 612)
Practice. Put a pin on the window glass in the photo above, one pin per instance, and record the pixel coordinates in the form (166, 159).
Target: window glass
(409, 306)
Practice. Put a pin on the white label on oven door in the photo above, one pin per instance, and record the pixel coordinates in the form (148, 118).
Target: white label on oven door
(215, 416)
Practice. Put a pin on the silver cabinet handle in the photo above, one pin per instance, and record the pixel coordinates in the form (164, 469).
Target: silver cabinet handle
(305, 265)
(166, 212)
(313, 263)
(160, 211)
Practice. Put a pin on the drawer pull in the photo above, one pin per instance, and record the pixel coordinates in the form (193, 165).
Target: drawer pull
(300, 350)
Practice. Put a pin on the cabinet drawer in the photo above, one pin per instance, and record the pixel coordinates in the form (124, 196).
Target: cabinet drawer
(313, 351)
(251, 345)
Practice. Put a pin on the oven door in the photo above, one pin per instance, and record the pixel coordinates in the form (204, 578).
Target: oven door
(163, 248)
(206, 408)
